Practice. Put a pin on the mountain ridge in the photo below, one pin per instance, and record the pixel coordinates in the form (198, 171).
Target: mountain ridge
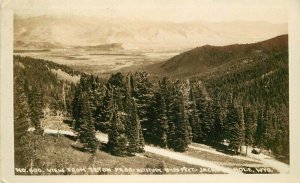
(206, 58)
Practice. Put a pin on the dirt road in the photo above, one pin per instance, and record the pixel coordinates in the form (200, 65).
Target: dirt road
(281, 167)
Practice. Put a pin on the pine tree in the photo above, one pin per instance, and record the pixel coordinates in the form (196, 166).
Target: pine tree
(218, 126)
(23, 154)
(142, 92)
(171, 135)
(77, 104)
(182, 131)
(167, 91)
(269, 128)
(133, 133)
(130, 120)
(117, 140)
(162, 125)
(103, 111)
(113, 134)
(21, 110)
(259, 128)
(35, 100)
(152, 127)
(241, 128)
(116, 81)
(27, 144)
(194, 119)
(87, 128)
(233, 127)
(128, 109)
(141, 140)
(207, 124)
(201, 98)
(250, 126)
(119, 99)
(152, 130)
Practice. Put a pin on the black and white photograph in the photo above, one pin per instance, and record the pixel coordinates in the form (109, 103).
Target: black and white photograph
(195, 87)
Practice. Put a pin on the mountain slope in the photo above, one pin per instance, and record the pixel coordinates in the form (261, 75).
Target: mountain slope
(209, 58)
(54, 81)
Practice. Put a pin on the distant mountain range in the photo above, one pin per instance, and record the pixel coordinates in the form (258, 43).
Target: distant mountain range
(36, 45)
(104, 47)
(211, 58)
(43, 32)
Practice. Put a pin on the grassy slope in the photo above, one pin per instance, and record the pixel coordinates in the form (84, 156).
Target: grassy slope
(61, 154)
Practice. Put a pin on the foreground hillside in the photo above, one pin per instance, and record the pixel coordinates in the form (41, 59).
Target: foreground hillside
(59, 157)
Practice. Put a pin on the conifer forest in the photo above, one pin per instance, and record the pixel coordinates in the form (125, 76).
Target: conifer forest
(243, 102)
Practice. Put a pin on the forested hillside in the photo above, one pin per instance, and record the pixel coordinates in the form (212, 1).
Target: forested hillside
(207, 58)
(242, 103)
(259, 88)
(38, 92)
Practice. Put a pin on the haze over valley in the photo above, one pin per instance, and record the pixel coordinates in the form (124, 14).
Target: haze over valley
(101, 45)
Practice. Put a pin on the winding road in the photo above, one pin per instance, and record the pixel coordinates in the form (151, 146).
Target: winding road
(281, 167)
(156, 150)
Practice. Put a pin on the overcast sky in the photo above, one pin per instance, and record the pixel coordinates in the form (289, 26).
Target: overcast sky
(274, 11)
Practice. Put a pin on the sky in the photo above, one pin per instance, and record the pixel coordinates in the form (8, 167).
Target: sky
(273, 11)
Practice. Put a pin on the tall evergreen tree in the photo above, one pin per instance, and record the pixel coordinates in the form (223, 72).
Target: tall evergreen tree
(171, 135)
(259, 128)
(141, 141)
(269, 127)
(218, 126)
(241, 128)
(142, 92)
(250, 126)
(35, 100)
(117, 140)
(103, 111)
(23, 154)
(182, 130)
(77, 104)
(133, 133)
(87, 128)
(194, 119)
(207, 124)
(202, 98)
(162, 125)
(233, 127)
